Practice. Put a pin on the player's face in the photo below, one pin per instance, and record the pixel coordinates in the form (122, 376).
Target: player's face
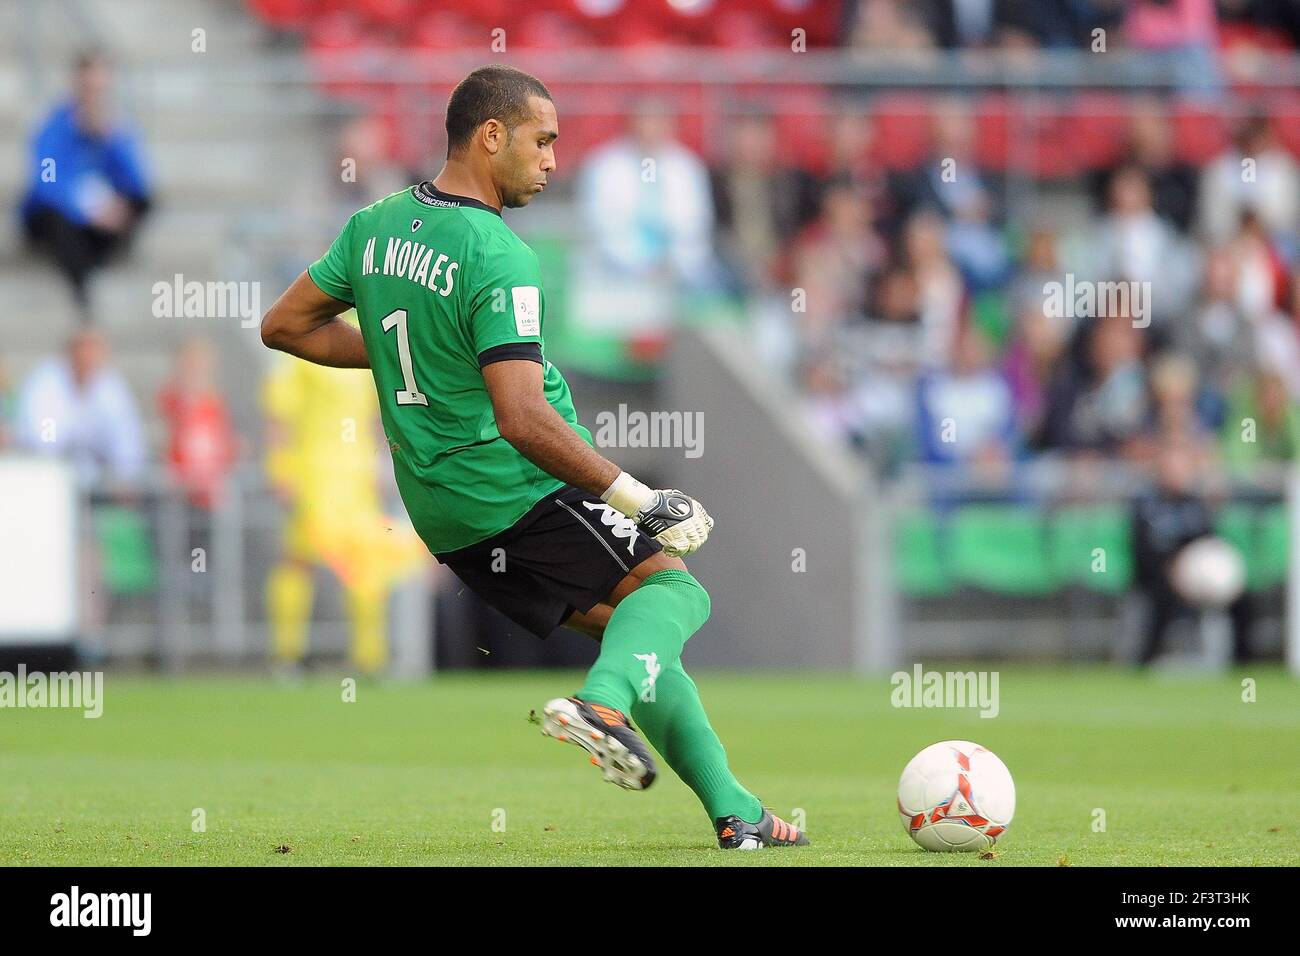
(529, 157)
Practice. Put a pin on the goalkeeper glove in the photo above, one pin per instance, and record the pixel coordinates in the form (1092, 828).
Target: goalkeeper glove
(676, 520)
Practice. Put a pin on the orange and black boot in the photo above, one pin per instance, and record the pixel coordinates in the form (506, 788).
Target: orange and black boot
(735, 834)
(605, 733)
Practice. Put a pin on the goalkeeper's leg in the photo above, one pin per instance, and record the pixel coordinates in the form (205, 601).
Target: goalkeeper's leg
(667, 708)
(656, 607)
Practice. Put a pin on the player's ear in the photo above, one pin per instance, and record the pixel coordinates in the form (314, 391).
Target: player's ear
(494, 135)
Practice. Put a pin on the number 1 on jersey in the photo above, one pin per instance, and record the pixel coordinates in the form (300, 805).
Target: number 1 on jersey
(411, 395)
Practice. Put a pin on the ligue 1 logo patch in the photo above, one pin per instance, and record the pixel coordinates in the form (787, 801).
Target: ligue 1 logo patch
(416, 224)
(527, 309)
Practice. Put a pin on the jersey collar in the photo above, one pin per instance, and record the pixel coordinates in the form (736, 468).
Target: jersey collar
(429, 194)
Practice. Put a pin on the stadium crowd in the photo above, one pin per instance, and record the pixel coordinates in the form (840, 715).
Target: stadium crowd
(923, 301)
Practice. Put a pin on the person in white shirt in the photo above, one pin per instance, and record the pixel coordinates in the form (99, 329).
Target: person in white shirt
(79, 407)
(647, 201)
(1258, 176)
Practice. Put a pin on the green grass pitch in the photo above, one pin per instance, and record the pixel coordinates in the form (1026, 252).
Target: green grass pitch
(451, 772)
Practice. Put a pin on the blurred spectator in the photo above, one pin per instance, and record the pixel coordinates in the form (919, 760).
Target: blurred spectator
(88, 187)
(951, 183)
(963, 23)
(967, 414)
(1257, 176)
(755, 202)
(1166, 518)
(834, 260)
(647, 204)
(989, 23)
(1170, 24)
(1037, 344)
(1134, 244)
(201, 443)
(79, 407)
(1262, 289)
(825, 383)
(886, 352)
(1149, 146)
(1180, 35)
(1059, 23)
(1262, 280)
(1217, 335)
(1180, 407)
(891, 28)
(849, 140)
(1278, 349)
(1097, 401)
(647, 226)
(1262, 423)
(1040, 263)
(939, 286)
(1263, 20)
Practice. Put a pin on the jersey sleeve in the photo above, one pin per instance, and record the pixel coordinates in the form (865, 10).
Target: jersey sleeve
(505, 306)
(330, 271)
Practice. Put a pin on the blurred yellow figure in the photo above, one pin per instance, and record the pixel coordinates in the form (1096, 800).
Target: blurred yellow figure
(322, 457)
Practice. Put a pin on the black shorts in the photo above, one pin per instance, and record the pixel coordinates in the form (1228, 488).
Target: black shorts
(567, 553)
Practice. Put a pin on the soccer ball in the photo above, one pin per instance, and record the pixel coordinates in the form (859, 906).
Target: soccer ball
(1209, 573)
(955, 796)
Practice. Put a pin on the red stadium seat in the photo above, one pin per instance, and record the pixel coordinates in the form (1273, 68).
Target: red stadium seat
(688, 22)
(743, 30)
(1285, 110)
(1100, 128)
(902, 129)
(1234, 36)
(333, 43)
(1199, 133)
(995, 129)
(799, 117)
(389, 14)
(820, 18)
(549, 30)
(601, 18)
(639, 32)
(284, 14)
(446, 31)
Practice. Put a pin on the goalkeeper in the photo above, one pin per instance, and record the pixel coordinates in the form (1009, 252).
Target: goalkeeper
(499, 478)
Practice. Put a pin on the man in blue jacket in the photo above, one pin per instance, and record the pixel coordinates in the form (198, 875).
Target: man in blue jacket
(88, 187)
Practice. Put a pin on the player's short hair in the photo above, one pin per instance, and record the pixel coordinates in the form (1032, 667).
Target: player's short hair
(490, 92)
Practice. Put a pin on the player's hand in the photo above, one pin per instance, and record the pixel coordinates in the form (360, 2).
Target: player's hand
(675, 520)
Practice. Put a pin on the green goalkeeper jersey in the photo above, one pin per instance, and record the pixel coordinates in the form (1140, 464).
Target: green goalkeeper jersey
(442, 287)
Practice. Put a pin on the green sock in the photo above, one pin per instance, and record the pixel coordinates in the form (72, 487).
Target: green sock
(676, 726)
(644, 637)
(639, 671)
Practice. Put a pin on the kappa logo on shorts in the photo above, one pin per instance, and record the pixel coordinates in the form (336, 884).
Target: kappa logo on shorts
(619, 524)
